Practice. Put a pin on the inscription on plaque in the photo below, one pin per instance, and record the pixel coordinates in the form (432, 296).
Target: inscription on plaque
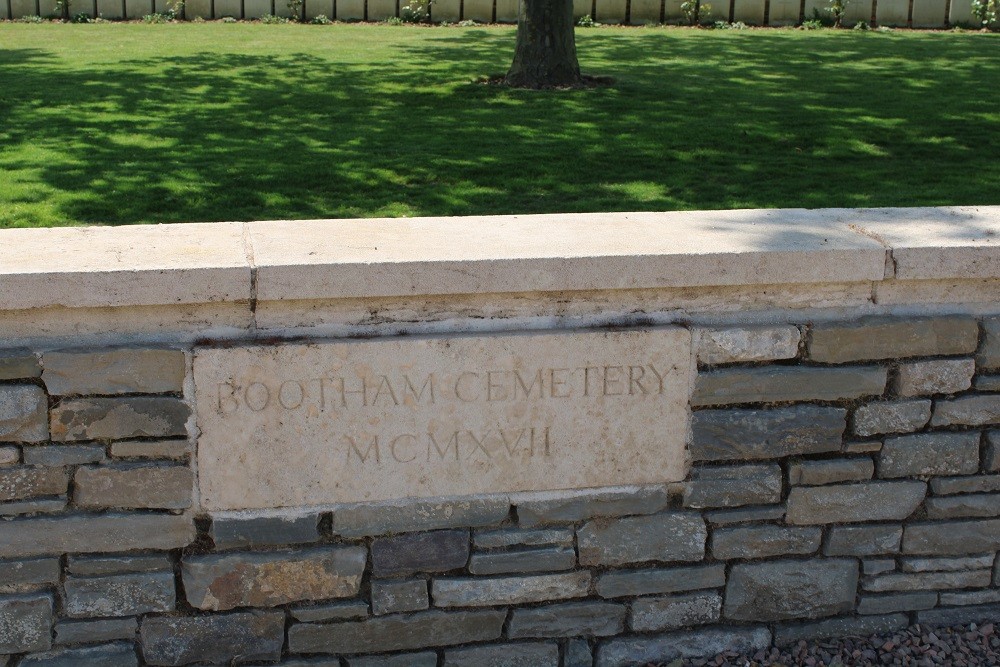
(294, 425)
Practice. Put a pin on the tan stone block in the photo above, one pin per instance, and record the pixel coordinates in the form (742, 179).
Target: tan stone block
(141, 487)
(119, 371)
(20, 482)
(406, 417)
(741, 344)
(934, 376)
(9, 455)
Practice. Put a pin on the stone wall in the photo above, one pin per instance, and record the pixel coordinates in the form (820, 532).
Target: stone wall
(843, 456)
(894, 13)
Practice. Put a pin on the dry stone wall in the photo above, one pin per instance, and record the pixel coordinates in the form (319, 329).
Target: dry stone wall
(839, 460)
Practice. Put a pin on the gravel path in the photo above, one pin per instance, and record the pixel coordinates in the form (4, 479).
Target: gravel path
(919, 646)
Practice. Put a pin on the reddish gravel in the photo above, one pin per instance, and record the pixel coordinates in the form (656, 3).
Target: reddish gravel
(918, 646)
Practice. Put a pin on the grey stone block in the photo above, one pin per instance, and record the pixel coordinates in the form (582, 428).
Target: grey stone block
(988, 383)
(94, 534)
(631, 651)
(873, 566)
(733, 486)
(513, 537)
(118, 371)
(748, 542)
(650, 581)
(991, 454)
(29, 573)
(868, 447)
(831, 471)
(659, 614)
(788, 589)
(174, 450)
(960, 615)
(526, 560)
(929, 454)
(63, 455)
(578, 654)
(987, 596)
(989, 354)
(10, 455)
(171, 641)
(944, 486)
(841, 503)
(581, 505)
(947, 564)
(483, 592)
(26, 507)
(881, 338)
(117, 654)
(896, 602)
(91, 632)
(339, 611)
(952, 538)
(92, 566)
(535, 654)
(746, 515)
(976, 410)
(777, 384)
(238, 532)
(119, 418)
(865, 540)
(25, 623)
(415, 516)
(727, 435)
(572, 619)
(19, 364)
(403, 555)
(860, 626)
(138, 487)
(390, 597)
(219, 583)
(956, 507)
(21, 482)
(891, 417)
(24, 413)
(671, 536)
(403, 632)
(119, 595)
(934, 376)
(927, 581)
(425, 659)
(742, 344)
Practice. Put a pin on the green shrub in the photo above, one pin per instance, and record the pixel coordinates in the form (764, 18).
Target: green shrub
(837, 10)
(812, 24)
(415, 11)
(586, 21)
(987, 12)
(696, 11)
(862, 26)
(228, 19)
(156, 18)
(725, 25)
(30, 19)
(271, 19)
(321, 20)
(467, 23)
(393, 20)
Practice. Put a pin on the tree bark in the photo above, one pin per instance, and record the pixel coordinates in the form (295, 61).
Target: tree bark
(545, 54)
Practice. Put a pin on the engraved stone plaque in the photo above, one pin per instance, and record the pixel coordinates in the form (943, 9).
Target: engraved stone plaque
(292, 425)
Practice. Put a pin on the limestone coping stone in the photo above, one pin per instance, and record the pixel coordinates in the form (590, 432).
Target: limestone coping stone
(232, 262)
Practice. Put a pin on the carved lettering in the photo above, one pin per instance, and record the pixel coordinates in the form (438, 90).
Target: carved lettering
(227, 397)
(452, 443)
(257, 396)
(372, 447)
(396, 442)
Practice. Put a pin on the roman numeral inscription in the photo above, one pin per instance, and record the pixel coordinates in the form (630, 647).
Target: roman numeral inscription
(290, 425)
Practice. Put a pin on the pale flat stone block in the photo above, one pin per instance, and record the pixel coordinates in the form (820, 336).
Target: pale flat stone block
(110, 9)
(408, 418)
(393, 257)
(198, 9)
(960, 13)
(724, 346)
(893, 12)
(940, 242)
(784, 12)
(645, 11)
(9, 455)
(119, 371)
(610, 11)
(21, 8)
(930, 13)
(507, 11)
(927, 292)
(136, 9)
(749, 11)
(478, 10)
(934, 376)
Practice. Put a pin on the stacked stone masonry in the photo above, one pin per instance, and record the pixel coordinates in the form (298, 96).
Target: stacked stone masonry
(845, 480)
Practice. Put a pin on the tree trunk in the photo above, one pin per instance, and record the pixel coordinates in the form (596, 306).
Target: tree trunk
(545, 54)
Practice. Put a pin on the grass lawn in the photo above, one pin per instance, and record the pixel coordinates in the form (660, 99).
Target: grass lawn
(131, 123)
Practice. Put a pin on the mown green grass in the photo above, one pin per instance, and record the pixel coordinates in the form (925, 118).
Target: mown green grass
(132, 123)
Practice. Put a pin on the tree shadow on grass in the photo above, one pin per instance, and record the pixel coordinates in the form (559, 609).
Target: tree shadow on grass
(727, 122)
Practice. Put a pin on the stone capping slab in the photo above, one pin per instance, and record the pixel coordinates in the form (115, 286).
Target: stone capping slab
(239, 263)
